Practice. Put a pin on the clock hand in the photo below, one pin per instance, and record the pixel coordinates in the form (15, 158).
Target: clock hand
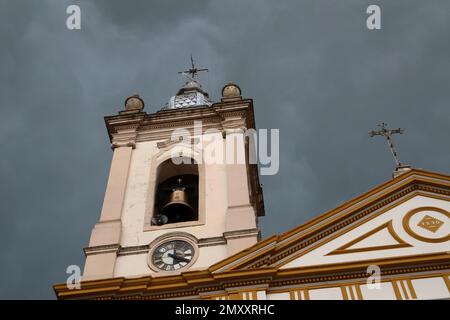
(179, 258)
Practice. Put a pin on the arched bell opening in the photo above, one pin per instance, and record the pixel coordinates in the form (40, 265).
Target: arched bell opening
(176, 197)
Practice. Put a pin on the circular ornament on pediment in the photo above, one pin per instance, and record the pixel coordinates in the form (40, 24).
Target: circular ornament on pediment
(428, 224)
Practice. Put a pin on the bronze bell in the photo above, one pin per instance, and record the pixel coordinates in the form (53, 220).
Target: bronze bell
(178, 208)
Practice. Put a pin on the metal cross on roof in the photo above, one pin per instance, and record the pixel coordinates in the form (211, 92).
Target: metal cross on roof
(192, 71)
(387, 133)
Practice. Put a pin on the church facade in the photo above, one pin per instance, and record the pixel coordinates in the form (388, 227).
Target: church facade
(188, 229)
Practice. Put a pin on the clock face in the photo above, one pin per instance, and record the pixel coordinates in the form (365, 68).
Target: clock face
(172, 255)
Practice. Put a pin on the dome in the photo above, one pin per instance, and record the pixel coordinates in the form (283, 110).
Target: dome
(190, 95)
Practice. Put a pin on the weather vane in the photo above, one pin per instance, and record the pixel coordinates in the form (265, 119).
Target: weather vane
(192, 71)
(387, 133)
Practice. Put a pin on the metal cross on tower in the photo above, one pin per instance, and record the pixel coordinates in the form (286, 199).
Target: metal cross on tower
(387, 133)
(192, 71)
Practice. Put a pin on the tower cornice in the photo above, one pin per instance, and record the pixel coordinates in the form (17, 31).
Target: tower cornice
(159, 125)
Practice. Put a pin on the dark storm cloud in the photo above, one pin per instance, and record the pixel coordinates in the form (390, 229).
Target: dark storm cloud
(313, 69)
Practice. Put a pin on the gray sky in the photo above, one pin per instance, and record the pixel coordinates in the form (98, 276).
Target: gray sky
(311, 66)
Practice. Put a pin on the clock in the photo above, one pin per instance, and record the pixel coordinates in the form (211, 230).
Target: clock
(172, 255)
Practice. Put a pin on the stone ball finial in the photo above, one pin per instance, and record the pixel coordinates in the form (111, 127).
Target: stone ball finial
(231, 91)
(134, 103)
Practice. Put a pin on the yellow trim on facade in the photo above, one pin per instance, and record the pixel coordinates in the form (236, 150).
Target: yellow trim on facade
(189, 283)
(235, 296)
(404, 290)
(306, 293)
(358, 291)
(351, 292)
(298, 294)
(388, 225)
(292, 294)
(447, 281)
(398, 295)
(411, 289)
(344, 293)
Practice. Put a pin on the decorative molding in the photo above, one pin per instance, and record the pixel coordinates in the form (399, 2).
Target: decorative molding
(169, 142)
(150, 127)
(124, 137)
(241, 233)
(101, 249)
(447, 282)
(193, 283)
(125, 251)
(388, 225)
(123, 144)
(213, 241)
(144, 249)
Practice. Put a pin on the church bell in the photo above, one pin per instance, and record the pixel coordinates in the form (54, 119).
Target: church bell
(178, 208)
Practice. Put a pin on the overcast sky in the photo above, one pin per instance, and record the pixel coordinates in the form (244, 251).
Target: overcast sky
(311, 66)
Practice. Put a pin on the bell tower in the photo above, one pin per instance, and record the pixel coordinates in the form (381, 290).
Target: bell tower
(167, 207)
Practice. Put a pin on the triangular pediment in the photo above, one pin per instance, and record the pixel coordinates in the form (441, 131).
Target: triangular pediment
(396, 232)
(404, 217)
